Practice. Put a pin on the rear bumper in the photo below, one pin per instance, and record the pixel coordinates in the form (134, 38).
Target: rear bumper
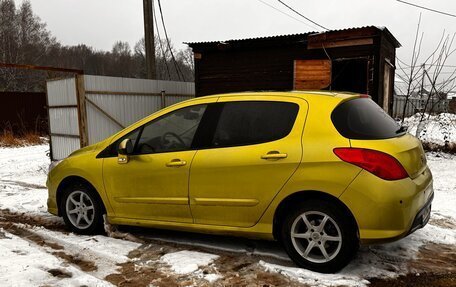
(386, 211)
(423, 216)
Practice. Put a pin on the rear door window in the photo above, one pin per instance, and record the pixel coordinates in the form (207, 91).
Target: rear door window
(362, 118)
(253, 122)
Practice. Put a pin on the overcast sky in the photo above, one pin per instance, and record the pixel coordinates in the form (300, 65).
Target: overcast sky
(99, 23)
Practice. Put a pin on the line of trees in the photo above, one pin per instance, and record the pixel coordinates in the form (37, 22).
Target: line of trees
(25, 39)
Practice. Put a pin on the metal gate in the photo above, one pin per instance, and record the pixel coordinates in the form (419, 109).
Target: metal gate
(87, 109)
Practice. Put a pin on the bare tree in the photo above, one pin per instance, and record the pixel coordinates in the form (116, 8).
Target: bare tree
(425, 77)
(24, 39)
(167, 69)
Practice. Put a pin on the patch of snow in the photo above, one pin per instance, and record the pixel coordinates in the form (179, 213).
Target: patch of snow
(185, 262)
(316, 279)
(23, 179)
(443, 167)
(211, 278)
(25, 264)
(438, 129)
(107, 252)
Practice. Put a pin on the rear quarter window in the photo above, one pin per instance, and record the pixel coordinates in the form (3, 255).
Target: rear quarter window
(362, 118)
(247, 123)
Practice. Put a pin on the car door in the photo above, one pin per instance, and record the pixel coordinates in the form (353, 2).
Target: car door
(153, 185)
(254, 149)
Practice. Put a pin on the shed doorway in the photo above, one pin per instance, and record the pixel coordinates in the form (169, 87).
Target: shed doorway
(350, 75)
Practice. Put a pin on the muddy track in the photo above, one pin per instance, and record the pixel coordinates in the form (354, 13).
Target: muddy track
(417, 280)
(23, 184)
(53, 248)
(7, 216)
(235, 270)
(145, 267)
(434, 265)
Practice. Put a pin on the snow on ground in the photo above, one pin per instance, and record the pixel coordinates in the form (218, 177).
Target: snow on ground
(437, 130)
(443, 167)
(184, 262)
(28, 263)
(95, 248)
(22, 190)
(23, 179)
(23, 264)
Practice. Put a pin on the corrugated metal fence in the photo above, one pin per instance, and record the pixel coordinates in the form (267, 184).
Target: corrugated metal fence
(87, 109)
(23, 112)
(63, 117)
(418, 105)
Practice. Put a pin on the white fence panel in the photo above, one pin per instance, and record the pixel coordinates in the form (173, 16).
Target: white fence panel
(64, 121)
(63, 117)
(174, 99)
(110, 104)
(128, 85)
(63, 146)
(126, 101)
(62, 92)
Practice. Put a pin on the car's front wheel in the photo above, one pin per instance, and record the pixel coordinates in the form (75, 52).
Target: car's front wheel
(82, 210)
(318, 236)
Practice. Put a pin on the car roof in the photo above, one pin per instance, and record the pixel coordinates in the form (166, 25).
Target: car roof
(301, 94)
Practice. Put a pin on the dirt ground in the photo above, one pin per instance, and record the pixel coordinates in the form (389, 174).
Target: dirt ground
(434, 265)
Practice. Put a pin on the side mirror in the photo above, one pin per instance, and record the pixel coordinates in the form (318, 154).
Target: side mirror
(125, 149)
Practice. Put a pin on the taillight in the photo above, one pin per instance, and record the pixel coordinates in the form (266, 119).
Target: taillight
(378, 163)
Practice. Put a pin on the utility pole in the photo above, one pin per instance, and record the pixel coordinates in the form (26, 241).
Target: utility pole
(149, 38)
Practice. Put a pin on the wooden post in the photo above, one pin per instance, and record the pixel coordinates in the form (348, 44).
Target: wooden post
(82, 111)
(149, 38)
(163, 99)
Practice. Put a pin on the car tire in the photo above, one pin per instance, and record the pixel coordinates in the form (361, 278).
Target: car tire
(82, 209)
(325, 249)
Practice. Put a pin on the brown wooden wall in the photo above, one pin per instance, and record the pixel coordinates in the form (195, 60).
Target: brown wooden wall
(265, 69)
(357, 56)
(23, 112)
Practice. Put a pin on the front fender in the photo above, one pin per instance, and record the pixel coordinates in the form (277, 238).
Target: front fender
(85, 166)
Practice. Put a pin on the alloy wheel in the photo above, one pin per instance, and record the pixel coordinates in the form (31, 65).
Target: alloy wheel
(316, 237)
(80, 209)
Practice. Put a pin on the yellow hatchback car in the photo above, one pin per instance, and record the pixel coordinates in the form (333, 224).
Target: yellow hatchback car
(321, 172)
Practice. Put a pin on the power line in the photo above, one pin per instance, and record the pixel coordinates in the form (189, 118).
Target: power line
(323, 27)
(179, 72)
(286, 14)
(159, 41)
(425, 8)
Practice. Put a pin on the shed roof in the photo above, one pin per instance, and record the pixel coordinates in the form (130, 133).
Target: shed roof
(295, 38)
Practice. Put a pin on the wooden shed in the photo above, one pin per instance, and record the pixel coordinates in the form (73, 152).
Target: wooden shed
(357, 60)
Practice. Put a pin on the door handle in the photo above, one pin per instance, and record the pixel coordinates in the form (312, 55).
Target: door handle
(176, 163)
(274, 155)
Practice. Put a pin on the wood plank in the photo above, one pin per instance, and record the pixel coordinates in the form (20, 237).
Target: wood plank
(312, 74)
(310, 68)
(310, 77)
(82, 111)
(311, 85)
(340, 43)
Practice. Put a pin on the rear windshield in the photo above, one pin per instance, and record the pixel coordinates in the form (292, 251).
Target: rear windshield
(362, 118)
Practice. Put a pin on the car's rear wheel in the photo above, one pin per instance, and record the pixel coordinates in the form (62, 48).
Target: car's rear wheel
(318, 236)
(82, 210)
